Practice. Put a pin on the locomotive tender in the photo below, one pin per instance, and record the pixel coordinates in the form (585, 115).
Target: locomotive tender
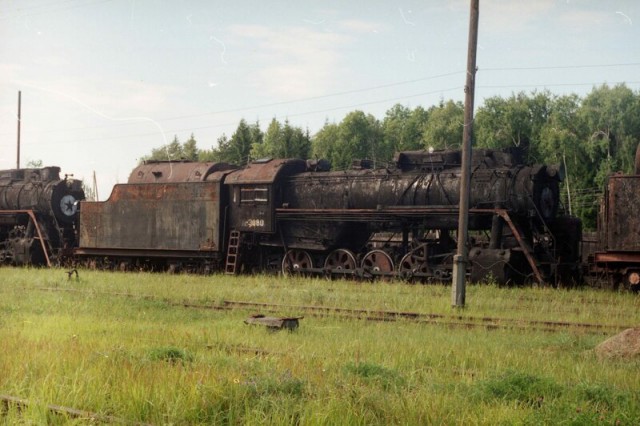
(615, 259)
(296, 216)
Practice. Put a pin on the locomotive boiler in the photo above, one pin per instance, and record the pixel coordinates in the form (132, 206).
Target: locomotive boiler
(38, 215)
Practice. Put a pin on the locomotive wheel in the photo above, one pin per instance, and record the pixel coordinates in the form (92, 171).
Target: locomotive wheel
(295, 260)
(377, 261)
(414, 262)
(341, 260)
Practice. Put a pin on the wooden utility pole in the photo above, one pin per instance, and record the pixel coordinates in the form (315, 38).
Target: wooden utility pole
(95, 187)
(19, 120)
(460, 260)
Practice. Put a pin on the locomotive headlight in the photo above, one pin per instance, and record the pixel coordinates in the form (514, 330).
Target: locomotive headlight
(68, 205)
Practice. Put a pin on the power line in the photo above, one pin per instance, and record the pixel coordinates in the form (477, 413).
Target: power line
(280, 103)
(561, 67)
(191, 129)
(313, 98)
(360, 90)
(267, 105)
(498, 86)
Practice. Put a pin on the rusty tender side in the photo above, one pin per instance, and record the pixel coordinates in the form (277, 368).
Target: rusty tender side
(616, 260)
(168, 215)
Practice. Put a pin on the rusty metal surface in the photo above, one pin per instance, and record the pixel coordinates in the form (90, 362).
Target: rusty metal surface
(616, 257)
(255, 192)
(167, 216)
(622, 223)
(522, 190)
(526, 249)
(51, 206)
(40, 190)
(266, 171)
(274, 323)
(178, 171)
(32, 217)
(494, 263)
(89, 417)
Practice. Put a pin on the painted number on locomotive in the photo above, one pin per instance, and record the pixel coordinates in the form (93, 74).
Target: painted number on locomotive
(254, 223)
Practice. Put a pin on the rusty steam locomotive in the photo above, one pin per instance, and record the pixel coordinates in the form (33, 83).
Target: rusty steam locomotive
(296, 216)
(38, 215)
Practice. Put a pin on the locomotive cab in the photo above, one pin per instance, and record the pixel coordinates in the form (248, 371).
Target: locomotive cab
(256, 192)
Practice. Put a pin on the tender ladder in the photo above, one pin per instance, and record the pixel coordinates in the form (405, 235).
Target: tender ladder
(233, 249)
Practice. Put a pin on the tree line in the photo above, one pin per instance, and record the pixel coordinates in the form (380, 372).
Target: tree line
(590, 137)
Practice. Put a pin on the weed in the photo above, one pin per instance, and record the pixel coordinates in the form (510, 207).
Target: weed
(520, 387)
(284, 384)
(126, 345)
(372, 373)
(170, 354)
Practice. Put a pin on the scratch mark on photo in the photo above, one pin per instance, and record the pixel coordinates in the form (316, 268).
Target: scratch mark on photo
(224, 48)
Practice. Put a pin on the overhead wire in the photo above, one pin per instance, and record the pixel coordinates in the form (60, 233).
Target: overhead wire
(279, 103)
(342, 93)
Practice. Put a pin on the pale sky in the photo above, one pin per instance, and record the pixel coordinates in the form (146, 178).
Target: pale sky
(105, 81)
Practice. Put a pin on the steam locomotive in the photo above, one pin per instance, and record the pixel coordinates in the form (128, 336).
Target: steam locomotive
(299, 217)
(38, 215)
(296, 216)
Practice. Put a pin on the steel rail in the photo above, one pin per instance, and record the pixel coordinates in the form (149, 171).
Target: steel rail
(21, 404)
(376, 315)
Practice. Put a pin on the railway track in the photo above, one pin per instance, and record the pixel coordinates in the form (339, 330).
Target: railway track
(449, 320)
(20, 404)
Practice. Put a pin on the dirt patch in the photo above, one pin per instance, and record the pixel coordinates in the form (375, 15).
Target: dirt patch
(623, 345)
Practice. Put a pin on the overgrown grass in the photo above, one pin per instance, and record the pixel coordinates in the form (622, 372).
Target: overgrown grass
(123, 345)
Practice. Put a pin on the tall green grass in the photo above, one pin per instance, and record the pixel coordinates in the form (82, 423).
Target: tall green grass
(122, 345)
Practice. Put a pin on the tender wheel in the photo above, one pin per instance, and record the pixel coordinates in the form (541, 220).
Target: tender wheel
(414, 263)
(295, 261)
(341, 260)
(377, 261)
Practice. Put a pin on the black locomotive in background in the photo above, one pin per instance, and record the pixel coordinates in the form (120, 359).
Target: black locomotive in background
(296, 216)
(38, 215)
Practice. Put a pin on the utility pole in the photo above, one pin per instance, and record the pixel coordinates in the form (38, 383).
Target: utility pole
(460, 260)
(19, 120)
(95, 187)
